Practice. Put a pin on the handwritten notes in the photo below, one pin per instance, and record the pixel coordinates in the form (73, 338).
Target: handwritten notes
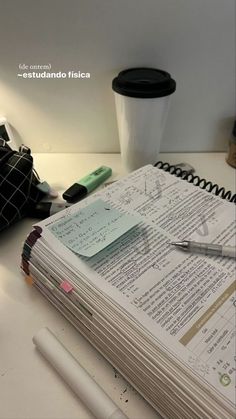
(92, 228)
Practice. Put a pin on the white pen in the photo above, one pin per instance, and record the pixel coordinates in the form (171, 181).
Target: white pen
(207, 248)
(91, 394)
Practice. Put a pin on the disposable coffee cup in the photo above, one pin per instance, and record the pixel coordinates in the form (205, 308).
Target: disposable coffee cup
(142, 97)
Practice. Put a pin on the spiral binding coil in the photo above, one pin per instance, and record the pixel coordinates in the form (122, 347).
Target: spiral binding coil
(202, 183)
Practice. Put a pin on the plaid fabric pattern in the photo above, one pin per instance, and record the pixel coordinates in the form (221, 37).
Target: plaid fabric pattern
(18, 185)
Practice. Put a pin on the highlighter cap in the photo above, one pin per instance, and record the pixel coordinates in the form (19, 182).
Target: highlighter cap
(75, 193)
(41, 210)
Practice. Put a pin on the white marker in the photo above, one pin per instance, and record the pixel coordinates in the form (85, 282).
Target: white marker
(92, 395)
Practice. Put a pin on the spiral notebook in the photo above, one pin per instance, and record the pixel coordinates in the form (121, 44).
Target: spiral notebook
(197, 181)
(163, 318)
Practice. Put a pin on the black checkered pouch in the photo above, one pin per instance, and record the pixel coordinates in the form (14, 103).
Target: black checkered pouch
(18, 184)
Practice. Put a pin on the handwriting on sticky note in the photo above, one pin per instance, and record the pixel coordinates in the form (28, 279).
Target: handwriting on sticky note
(92, 228)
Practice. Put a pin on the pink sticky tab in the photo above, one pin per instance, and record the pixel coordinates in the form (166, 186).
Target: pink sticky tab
(66, 286)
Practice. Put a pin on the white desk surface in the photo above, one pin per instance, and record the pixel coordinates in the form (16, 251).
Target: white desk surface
(29, 387)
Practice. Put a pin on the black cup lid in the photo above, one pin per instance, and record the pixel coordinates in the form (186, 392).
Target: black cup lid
(144, 83)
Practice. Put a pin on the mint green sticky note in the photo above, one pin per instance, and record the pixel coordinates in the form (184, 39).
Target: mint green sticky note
(92, 228)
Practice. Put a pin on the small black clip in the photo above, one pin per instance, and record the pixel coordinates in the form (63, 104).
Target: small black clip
(24, 149)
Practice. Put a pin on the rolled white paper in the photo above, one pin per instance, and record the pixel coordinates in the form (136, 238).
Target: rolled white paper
(92, 395)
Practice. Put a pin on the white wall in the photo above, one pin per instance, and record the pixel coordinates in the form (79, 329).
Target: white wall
(192, 39)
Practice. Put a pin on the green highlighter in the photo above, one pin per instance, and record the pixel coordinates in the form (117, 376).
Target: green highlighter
(87, 184)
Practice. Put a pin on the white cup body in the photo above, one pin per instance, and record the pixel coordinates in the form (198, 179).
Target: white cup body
(141, 123)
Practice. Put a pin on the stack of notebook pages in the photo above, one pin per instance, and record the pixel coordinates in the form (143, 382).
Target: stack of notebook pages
(162, 317)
